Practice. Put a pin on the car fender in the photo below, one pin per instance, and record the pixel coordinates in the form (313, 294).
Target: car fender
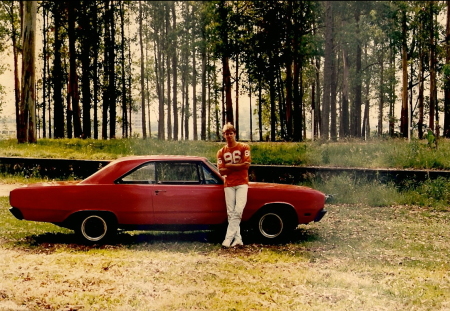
(276, 205)
(72, 220)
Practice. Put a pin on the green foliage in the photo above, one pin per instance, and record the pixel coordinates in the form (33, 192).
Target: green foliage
(351, 189)
(347, 188)
(279, 153)
(432, 192)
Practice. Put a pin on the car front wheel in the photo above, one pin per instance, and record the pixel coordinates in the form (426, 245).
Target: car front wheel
(95, 228)
(272, 226)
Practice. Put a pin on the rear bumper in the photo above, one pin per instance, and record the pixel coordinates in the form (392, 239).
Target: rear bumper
(320, 215)
(16, 212)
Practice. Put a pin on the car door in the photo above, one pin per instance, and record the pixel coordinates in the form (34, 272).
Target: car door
(133, 196)
(188, 193)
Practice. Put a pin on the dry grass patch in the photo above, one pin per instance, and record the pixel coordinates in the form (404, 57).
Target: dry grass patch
(356, 258)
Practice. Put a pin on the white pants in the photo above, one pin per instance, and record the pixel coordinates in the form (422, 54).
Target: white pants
(235, 199)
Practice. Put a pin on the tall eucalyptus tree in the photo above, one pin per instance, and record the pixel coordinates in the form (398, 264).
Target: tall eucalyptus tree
(446, 71)
(57, 71)
(328, 68)
(27, 113)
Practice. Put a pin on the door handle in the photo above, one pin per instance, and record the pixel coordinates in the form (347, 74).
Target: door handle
(158, 191)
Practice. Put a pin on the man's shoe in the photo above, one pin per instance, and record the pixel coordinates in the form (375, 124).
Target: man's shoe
(226, 243)
(237, 242)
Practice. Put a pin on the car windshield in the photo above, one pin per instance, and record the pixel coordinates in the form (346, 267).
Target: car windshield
(212, 165)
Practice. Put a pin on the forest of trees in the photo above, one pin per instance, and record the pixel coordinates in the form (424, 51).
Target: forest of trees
(321, 66)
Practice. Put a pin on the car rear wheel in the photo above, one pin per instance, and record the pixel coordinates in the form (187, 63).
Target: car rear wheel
(95, 228)
(272, 225)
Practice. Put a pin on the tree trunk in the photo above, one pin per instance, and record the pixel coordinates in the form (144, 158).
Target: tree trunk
(204, 84)
(112, 74)
(325, 124)
(17, 88)
(194, 93)
(404, 112)
(95, 75)
(366, 119)
(27, 115)
(299, 111)
(317, 106)
(186, 110)
(169, 49)
(391, 90)
(106, 72)
(357, 103)
(433, 89)
(381, 93)
(294, 124)
(123, 76)
(345, 120)
(45, 82)
(447, 77)
(175, 77)
(147, 91)
(141, 46)
(333, 95)
(420, 96)
(73, 77)
(260, 108)
(273, 117)
(279, 92)
(225, 64)
(57, 75)
(87, 44)
(291, 45)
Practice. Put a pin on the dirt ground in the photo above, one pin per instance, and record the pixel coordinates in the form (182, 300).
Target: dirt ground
(6, 188)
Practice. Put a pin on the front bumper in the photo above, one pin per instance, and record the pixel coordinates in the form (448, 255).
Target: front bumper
(16, 212)
(320, 215)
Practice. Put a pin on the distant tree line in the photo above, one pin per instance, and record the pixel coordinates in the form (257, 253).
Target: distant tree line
(322, 65)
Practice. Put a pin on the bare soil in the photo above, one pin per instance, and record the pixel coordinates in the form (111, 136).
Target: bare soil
(6, 188)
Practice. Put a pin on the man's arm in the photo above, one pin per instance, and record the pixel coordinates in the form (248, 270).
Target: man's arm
(237, 166)
(229, 167)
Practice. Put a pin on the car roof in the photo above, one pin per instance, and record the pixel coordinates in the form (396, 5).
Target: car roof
(159, 157)
(122, 165)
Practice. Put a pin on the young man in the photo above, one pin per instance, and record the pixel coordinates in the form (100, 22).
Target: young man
(233, 161)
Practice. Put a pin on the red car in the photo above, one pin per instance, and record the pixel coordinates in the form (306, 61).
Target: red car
(162, 193)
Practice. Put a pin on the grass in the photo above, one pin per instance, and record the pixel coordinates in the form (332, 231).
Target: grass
(378, 248)
(393, 153)
(376, 153)
(357, 258)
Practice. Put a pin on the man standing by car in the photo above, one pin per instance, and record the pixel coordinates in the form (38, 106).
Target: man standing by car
(233, 161)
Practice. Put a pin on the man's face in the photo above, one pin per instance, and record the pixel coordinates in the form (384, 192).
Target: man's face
(229, 135)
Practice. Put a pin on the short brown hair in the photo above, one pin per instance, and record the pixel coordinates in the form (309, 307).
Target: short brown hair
(228, 127)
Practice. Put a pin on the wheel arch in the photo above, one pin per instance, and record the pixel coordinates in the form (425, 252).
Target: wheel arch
(72, 221)
(285, 208)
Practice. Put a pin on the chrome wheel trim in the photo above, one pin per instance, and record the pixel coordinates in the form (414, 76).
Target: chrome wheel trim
(94, 228)
(270, 225)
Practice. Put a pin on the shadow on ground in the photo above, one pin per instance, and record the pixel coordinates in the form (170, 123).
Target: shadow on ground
(49, 242)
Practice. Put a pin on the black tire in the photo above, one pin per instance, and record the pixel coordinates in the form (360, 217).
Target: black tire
(96, 228)
(273, 225)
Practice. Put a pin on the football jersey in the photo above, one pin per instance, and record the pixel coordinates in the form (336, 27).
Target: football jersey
(237, 154)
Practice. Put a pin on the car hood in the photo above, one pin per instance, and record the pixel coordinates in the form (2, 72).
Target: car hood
(263, 185)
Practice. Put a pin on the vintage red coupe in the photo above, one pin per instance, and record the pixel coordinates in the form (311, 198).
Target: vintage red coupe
(162, 193)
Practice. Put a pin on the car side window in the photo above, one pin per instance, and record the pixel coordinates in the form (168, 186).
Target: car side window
(178, 173)
(209, 176)
(143, 175)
